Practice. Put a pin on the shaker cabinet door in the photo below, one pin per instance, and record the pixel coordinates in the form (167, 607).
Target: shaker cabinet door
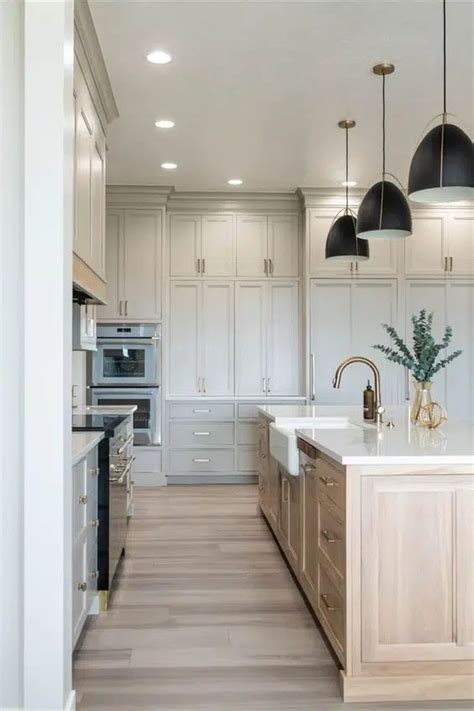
(218, 338)
(250, 338)
(83, 143)
(283, 245)
(184, 338)
(217, 250)
(184, 245)
(142, 265)
(251, 245)
(113, 266)
(283, 329)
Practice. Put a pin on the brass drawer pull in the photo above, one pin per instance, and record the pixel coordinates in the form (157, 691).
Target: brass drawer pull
(83, 499)
(331, 608)
(82, 587)
(327, 481)
(95, 523)
(308, 468)
(328, 536)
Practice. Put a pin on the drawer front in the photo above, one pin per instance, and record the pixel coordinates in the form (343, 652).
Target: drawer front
(79, 578)
(331, 606)
(80, 498)
(202, 460)
(201, 411)
(331, 482)
(247, 459)
(247, 433)
(198, 434)
(331, 537)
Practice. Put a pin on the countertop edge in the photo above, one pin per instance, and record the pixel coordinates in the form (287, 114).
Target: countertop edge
(88, 440)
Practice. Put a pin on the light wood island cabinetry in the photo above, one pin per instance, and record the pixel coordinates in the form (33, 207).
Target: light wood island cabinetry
(384, 554)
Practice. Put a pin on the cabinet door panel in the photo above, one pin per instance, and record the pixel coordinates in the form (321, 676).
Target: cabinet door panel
(184, 244)
(251, 245)
(383, 258)
(283, 361)
(142, 264)
(408, 603)
(331, 338)
(83, 143)
(460, 373)
(465, 569)
(460, 231)
(113, 265)
(250, 346)
(218, 245)
(98, 210)
(373, 303)
(218, 338)
(283, 245)
(425, 249)
(184, 325)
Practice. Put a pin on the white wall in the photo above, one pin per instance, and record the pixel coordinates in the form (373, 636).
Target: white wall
(36, 218)
(11, 354)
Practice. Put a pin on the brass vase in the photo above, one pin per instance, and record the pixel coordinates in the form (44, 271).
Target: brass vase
(425, 412)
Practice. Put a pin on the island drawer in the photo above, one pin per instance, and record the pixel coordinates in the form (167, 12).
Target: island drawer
(331, 607)
(199, 434)
(332, 482)
(201, 410)
(331, 537)
(201, 460)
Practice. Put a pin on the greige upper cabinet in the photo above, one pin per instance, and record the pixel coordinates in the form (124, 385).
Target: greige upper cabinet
(267, 246)
(201, 245)
(201, 332)
(267, 339)
(442, 244)
(384, 254)
(134, 239)
(89, 179)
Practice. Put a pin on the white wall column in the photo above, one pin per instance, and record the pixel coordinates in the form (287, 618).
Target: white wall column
(36, 213)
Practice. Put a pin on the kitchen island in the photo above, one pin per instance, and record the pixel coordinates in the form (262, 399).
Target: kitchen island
(377, 525)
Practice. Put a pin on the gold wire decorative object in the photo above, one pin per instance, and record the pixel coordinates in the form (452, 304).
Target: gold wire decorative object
(432, 415)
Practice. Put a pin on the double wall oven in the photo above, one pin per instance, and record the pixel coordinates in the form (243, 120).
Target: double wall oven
(126, 370)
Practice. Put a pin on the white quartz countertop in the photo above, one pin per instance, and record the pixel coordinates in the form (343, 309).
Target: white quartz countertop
(82, 443)
(451, 443)
(104, 410)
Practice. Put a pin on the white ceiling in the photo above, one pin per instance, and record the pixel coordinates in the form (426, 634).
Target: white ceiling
(256, 88)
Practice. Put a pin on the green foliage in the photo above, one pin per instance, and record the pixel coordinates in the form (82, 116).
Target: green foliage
(423, 360)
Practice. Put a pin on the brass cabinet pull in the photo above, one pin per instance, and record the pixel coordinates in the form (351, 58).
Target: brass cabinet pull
(327, 481)
(94, 574)
(203, 384)
(270, 266)
(264, 385)
(83, 499)
(352, 266)
(284, 490)
(203, 266)
(331, 608)
(268, 385)
(82, 587)
(120, 307)
(450, 264)
(265, 267)
(445, 264)
(308, 468)
(357, 266)
(95, 523)
(198, 266)
(328, 536)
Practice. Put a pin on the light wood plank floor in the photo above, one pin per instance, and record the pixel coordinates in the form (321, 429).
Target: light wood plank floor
(206, 617)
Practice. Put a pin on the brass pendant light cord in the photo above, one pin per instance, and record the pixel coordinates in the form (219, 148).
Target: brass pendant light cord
(383, 127)
(444, 62)
(347, 169)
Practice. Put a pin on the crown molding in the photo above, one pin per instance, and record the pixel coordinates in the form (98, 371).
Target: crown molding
(235, 202)
(90, 57)
(138, 195)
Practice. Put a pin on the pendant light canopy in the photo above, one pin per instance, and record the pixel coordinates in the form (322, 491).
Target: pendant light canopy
(442, 169)
(384, 212)
(342, 242)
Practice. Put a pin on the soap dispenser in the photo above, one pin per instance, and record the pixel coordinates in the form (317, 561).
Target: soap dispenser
(369, 402)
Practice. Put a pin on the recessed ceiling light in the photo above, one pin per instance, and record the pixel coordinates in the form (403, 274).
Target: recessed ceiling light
(235, 181)
(169, 166)
(349, 183)
(158, 57)
(164, 123)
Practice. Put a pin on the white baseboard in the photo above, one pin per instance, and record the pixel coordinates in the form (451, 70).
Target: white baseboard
(71, 702)
(149, 479)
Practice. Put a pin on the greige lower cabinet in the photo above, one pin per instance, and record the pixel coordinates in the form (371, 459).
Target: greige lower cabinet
(85, 524)
(384, 556)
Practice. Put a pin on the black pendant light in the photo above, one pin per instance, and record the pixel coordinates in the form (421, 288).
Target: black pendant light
(384, 212)
(342, 242)
(442, 169)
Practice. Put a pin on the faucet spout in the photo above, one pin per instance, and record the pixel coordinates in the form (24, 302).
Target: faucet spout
(379, 410)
